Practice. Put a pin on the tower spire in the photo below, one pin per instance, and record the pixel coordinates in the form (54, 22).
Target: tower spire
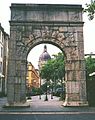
(45, 48)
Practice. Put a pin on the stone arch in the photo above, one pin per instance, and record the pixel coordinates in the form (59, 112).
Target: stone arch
(28, 31)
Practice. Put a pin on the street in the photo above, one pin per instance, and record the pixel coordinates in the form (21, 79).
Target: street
(47, 116)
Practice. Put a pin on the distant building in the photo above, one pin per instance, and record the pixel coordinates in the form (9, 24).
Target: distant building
(4, 38)
(44, 57)
(90, 55)
(32, 76)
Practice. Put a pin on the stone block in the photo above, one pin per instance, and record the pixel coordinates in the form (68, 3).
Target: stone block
(72, 87)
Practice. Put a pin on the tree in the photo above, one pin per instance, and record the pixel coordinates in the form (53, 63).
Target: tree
(90, 9)
(46, 74)
(54, 69)
(90, 65)
(90, 68)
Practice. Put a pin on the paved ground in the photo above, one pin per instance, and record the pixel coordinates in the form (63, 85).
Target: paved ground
(37, 104)
(46, 110)
(52, 105)
(42, 105)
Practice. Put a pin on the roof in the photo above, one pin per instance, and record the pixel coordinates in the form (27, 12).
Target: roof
(45, 55)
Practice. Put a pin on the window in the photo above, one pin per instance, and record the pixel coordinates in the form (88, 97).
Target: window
(1, 52)
(2, 38)
(0, 35)
(0, 84)
(0, 67)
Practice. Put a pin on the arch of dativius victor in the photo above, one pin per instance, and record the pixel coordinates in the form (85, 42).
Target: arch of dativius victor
(57, 24)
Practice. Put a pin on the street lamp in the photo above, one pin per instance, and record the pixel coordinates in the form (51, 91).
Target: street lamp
(40, 88)
(46, 97)
(40, 82)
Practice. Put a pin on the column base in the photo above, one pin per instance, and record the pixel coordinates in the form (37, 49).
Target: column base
(17, 105)
(75, 103)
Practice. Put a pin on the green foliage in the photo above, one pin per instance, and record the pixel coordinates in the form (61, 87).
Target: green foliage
(90, 68)
(46, 71)
(90, 65)
(90, 10)
(43, 87)
(54, 68)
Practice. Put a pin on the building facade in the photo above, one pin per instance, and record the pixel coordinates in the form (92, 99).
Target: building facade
(4, 38)
(32, 76)
(43, 58)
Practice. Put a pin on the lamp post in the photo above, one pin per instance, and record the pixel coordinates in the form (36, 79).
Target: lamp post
(40, 88)
(40, 82)
(46, 97)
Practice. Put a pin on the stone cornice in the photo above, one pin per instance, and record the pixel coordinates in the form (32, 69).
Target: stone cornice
(46, 7)
(50, 23)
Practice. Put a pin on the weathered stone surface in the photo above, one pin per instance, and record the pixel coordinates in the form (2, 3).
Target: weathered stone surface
(10, 93)
(11, 68)
(60, 25)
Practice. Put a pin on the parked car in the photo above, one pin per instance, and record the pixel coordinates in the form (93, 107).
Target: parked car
(60, 91)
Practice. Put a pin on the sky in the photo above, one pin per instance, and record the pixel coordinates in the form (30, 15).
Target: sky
(89, 26)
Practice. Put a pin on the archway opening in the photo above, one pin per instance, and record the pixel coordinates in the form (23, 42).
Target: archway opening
(38, 59)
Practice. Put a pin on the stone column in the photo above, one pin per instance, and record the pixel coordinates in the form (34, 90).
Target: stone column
(75, 85)
(11, 68)
(75, 75)
(16, 74)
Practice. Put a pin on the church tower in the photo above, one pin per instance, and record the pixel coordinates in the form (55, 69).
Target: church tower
(44, 57)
